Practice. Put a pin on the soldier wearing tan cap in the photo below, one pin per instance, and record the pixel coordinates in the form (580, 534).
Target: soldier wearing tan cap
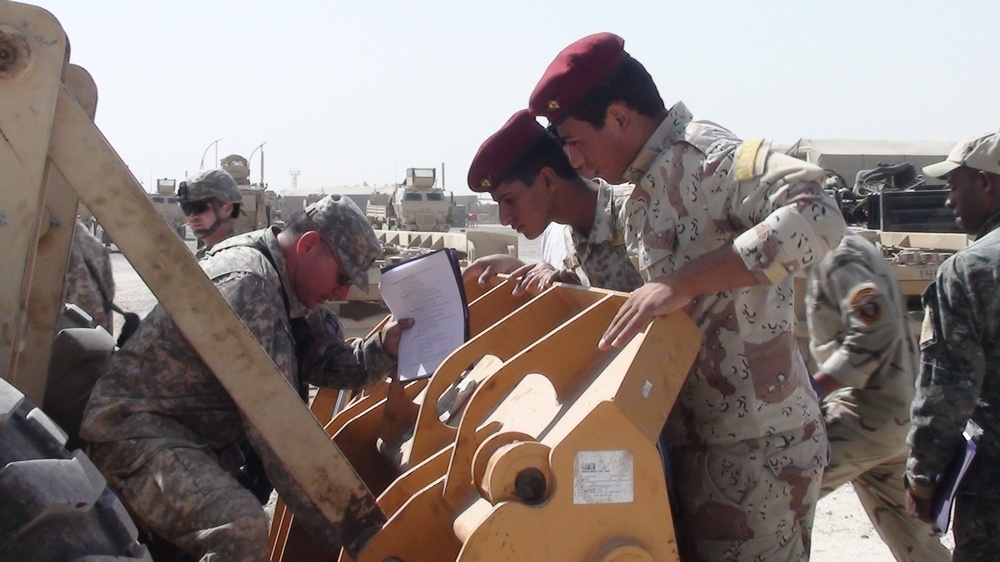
(718, 226)
(166, 434)
(959, 379)
(524, 169)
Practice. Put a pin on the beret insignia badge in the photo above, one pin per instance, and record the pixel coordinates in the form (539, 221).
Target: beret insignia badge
(485, 183)
(553, 105)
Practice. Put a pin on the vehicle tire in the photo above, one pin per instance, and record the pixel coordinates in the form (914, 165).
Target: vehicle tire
(56, 504)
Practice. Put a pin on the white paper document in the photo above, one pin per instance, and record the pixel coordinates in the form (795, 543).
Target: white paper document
(429, 290)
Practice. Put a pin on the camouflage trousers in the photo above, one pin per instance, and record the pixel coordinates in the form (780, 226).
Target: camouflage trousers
(976, 528)
(876, 472)
(184, 496)
(750, 501)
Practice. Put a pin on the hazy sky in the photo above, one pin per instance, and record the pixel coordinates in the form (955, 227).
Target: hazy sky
(352, 92)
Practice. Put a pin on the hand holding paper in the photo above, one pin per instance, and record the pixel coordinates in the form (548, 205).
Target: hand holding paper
(429, 290)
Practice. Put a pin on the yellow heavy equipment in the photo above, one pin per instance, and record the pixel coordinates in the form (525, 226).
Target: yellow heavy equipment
(551, 457)
(526, 444)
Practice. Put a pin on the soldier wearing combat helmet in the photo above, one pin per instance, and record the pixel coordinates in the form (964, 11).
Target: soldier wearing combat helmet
(211, 202)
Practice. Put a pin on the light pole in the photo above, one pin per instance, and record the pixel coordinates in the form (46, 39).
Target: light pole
(260, 147)
(201, 166)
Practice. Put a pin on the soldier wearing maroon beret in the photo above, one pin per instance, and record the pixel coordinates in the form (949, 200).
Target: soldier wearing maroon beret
(524, 168)
(717, 225)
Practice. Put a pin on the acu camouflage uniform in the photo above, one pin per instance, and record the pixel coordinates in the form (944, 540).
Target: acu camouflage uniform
(89, 283)
(747, 443)
(859, 336)
(960, 380)
(160, 420)
(600, 258)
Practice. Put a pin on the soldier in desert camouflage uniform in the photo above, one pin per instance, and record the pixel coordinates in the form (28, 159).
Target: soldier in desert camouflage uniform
(211, 201)
(867, 365)
(526, 171)
(959, 375)
(717, 225)
(159, 420)
(89, 283)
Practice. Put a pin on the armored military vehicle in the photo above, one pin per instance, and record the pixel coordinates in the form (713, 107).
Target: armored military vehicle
(165, 200)
(416, 204)
(256, 209)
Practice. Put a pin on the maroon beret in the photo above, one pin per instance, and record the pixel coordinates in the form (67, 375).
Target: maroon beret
(502, 150)
(575, 73)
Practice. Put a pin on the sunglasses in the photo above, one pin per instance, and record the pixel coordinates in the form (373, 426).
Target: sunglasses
(343, 279)
(196, 207)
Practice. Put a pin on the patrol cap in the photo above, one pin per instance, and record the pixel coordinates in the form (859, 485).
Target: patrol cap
(501, 151)
(210, 184)
(981, 153)
(576, 72)
(344, 225)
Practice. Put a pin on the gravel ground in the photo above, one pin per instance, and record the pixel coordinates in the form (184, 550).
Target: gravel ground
(842, 530)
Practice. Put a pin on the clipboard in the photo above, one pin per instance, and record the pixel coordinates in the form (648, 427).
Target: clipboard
(430, 290)
(947, 483)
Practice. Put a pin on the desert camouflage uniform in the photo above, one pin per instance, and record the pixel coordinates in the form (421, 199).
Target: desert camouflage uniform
(89, 283)
(600, 258)
(859, 336)
(160, 419)
(960, 379)
(748, 444)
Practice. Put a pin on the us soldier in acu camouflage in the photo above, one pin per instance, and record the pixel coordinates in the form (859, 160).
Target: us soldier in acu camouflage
(867, 365)
(211, 201)
(959, 375)
(718, 225)
(89, 283)
(526, 171)
(163, 428)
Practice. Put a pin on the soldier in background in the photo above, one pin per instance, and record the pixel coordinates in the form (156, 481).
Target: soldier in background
(161, 425)
(717, 225)
(523, 167)
(211, 202)
(866, 359)
(959, 377)
(89, 283)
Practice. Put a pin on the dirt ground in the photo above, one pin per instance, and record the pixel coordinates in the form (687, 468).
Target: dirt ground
(842, 529)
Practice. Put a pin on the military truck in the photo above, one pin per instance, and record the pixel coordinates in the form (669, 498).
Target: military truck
(165, 200)
(256, 209)
(416, 204)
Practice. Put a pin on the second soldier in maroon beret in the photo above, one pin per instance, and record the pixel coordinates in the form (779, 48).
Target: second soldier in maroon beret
(524, 168)
(717, 226)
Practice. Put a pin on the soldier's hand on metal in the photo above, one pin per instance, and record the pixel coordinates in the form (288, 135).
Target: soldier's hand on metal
(485, 268)
(391, 332)
(660, 296)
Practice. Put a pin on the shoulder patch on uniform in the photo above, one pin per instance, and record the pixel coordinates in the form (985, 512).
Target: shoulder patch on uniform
(746, 161)
(927, 329)
(861, 294)
(928, 326)
(869, 312)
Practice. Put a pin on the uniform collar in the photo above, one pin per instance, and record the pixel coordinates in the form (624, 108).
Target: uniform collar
(601, 232)
(671, 130)
(296, 308)
(990, 225)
